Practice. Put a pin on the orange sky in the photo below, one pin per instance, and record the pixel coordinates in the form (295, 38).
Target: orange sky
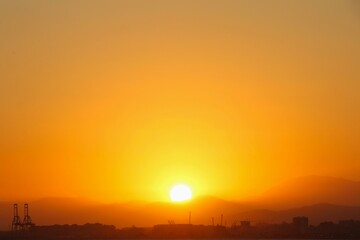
(120, 100)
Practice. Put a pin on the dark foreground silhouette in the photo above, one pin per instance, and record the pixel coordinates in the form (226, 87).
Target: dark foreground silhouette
(299, 228)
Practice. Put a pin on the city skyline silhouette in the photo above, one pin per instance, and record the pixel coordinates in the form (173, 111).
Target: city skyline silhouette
(152, 113)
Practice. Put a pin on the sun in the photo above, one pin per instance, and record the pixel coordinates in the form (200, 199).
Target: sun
(180, 193)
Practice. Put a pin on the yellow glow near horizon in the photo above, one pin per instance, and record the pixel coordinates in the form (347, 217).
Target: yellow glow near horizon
(180, 193)
(118, 101)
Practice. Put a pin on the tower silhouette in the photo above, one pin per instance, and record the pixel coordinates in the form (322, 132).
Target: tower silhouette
(16, 222)
(27, 223)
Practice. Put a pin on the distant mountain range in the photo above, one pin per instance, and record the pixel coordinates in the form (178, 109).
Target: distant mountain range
(319, 198)
(309, 190)
(316, 213)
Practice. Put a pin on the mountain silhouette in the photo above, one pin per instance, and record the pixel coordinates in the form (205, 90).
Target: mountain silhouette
(310, 190)
(319, 198)
(316, 213)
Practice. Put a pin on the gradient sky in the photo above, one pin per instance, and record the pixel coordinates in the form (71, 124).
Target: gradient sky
(119, 100)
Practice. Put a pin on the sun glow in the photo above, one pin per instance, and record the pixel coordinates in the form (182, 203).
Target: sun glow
(180, 193)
